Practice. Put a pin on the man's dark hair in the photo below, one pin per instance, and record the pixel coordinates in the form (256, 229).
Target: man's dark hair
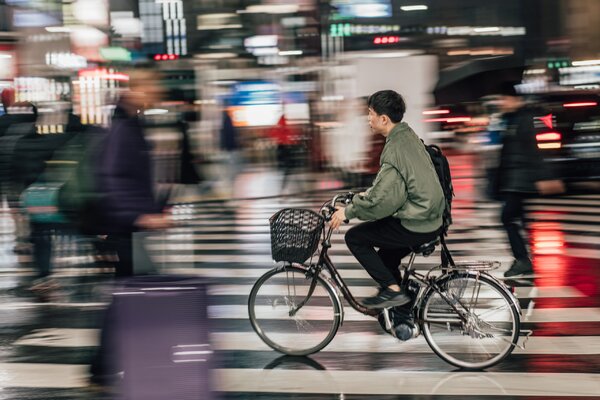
(388, 102)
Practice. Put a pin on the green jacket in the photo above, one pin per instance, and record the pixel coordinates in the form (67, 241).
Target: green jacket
(406, 186)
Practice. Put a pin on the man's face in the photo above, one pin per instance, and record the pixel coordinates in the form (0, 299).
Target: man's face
(145, 89)
(376, 122)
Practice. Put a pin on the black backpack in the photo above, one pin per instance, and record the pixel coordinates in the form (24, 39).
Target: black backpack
(442, 168)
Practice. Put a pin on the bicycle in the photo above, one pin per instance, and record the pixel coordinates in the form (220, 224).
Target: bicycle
(468, 318)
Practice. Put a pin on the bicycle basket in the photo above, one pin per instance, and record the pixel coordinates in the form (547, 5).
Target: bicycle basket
(295, 234)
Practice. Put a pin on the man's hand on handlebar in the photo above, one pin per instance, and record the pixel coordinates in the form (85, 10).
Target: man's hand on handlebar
(337, 218)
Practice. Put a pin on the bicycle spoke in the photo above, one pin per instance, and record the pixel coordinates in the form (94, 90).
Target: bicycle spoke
(492, 310)
(317, 321)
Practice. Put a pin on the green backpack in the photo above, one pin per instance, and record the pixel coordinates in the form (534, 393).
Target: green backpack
(80, 196)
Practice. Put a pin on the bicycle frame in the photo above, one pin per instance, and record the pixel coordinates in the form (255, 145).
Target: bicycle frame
(325, 261)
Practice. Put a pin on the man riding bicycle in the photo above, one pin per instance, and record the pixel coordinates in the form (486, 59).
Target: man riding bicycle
(403, 207)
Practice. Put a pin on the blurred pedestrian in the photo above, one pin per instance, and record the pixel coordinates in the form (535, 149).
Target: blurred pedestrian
(19, 121)
(230, 146)
(33, 181)
(125, 172)
(189, 179)
(128, 203)
(522, 173)
(289, 150)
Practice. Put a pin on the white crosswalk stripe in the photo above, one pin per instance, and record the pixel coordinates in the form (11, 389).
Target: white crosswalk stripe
(408, 383)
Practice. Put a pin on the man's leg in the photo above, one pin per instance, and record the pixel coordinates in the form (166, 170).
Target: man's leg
(391, 259)
(385, 234)
(512, 217)
(513, 220)
(41, 237)
(362, 240)
(122, 244)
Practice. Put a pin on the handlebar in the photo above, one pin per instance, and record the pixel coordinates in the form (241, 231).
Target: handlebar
(329, 208)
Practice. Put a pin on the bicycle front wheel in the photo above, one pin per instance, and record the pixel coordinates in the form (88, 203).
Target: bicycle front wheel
(487, 328)
(275, 297)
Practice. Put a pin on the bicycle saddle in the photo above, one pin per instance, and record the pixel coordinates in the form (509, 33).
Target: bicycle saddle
(426, 248)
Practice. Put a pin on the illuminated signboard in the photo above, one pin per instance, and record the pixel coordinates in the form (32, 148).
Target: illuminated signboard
(362, 8)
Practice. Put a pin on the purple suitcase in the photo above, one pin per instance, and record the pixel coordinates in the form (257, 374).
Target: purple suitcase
(162, 338)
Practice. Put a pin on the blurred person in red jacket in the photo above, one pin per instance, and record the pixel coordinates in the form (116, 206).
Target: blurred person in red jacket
(288, 148)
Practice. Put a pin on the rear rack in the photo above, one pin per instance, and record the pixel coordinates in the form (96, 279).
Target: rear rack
(475, 265)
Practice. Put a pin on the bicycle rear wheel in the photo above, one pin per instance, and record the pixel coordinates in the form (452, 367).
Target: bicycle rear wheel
(311, 328)
(490, 327)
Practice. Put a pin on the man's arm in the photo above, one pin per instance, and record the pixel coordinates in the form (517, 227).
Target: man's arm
(383, 199)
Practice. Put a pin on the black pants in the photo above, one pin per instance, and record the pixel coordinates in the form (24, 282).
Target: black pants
(513, 219)
(394, 242)
(122, 244)
(41, 238)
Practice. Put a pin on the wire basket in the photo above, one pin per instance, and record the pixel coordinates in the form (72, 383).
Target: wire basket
(295, 234)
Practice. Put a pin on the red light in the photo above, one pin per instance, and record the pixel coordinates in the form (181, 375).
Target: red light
(157, 57)
(436, 112)
(386, 40)
(548, 242)
(583, 104)
(547, 120)
(172, 56)
(164, 57)
(548, 136)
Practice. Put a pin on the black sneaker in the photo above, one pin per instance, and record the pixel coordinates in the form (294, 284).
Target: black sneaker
(386, 298)
(519, 268)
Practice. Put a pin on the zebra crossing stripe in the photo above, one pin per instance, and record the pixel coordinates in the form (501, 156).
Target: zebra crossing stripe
(344, 342)
(395, 382)
(316, 313)
(47, 376)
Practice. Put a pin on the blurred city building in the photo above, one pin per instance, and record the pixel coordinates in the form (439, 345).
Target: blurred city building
(308, 61)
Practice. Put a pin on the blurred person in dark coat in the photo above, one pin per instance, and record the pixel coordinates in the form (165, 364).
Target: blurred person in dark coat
(125, 172)
(32, 153)
(19, 121)
(128, 199)
(522, 173)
